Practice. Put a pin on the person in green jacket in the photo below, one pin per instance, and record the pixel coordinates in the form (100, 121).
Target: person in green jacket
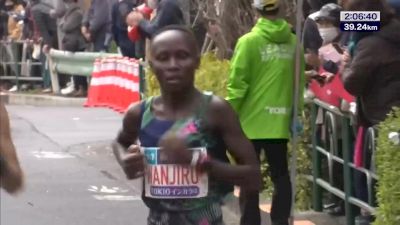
(261, 90)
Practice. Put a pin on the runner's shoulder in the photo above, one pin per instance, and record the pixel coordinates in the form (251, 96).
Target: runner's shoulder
(219, 106)
(134, 112)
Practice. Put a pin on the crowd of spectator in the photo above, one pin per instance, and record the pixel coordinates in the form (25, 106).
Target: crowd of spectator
(81, 25)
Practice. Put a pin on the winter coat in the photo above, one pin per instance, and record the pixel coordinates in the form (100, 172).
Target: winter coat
(71, 25)
(14, 26)
(374, 73)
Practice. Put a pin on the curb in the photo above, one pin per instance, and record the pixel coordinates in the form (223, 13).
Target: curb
(40, 100)
(232, 213)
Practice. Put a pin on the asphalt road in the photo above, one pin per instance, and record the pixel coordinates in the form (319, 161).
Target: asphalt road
(72, 177)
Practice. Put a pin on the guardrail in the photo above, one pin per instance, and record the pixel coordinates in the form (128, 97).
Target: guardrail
(337, 148)
(70, 63)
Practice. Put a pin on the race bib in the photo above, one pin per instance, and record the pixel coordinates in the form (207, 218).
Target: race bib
(164, 181)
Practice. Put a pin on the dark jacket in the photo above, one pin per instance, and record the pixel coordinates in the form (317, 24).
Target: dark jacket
(98, 20)
(46, 25)
(374, 73)
(168, 13)
(119, 27)
(71, 25)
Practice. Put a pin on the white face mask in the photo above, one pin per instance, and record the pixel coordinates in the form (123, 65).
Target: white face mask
(328, 34)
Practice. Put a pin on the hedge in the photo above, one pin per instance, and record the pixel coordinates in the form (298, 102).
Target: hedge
(388, 171)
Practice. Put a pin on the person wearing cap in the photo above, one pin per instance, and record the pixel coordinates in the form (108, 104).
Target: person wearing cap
(328, 87)
(260, 89)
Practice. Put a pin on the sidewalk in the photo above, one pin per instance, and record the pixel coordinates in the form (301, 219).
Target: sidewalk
(232, 214)
(40, 99)
(231, 209)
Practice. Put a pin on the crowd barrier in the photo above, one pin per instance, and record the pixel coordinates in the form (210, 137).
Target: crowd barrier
(336, 148)
(17, 62)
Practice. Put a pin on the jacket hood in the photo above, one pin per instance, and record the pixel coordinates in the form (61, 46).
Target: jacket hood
(277, 31)
(391, 32)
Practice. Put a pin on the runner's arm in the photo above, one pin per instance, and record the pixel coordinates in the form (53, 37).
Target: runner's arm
(11, 173)
(128, 135)
(247, 171)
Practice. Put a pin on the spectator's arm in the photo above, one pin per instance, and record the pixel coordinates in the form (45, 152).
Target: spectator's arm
(85, 19)
(238, 82)
(357, 75)
(166, 13)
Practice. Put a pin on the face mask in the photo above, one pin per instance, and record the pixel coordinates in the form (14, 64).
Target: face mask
(328, 34)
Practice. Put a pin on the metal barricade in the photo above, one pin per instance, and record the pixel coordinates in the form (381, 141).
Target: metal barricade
(16, 63)
(340, 154)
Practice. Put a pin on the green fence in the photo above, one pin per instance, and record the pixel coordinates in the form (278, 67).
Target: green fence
(332, 142)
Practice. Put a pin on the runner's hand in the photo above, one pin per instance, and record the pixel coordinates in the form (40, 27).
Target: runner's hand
(175, 148)
(133, 162)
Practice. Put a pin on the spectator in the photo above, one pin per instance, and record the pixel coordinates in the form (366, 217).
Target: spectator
(15, 19)
(73, 41)
(96, 25)
(47, 28)
(120, 29)
(168, 13)
(312, 40)
(372, 75)
(260, 89)
(328, 88)
(58, 12)
(45, 24)
(3, 20)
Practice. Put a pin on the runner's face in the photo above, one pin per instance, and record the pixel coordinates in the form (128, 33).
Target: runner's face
(174, 60)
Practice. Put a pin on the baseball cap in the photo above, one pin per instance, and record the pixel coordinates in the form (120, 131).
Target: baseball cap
(330, 12)
(266, 5)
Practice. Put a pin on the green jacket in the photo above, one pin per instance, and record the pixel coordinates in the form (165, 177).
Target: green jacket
(261, 82)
